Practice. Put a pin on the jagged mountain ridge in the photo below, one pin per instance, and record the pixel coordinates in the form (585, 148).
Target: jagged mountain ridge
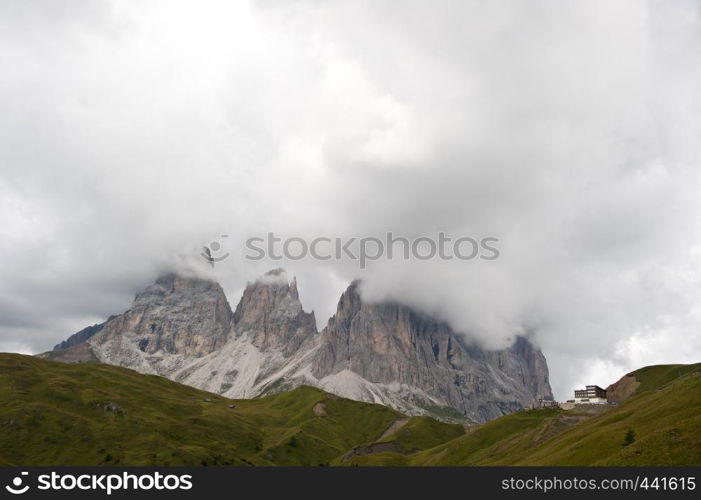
(82, 335)
(184, 329)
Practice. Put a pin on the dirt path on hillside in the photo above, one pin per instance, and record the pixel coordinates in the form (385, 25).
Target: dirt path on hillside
(396, 425)
(370, 449)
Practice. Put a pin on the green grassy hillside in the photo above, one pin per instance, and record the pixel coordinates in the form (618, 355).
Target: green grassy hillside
(656, 377)
(664, 415)
(90, 414)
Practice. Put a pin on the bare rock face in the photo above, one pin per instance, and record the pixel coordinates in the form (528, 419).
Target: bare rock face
(388, 343)
(188, 317)
(183, 329)
(175, 315)
(623, 389)
(271, 311)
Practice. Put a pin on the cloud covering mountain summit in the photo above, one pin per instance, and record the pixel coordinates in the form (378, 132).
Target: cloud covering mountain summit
(133, 132)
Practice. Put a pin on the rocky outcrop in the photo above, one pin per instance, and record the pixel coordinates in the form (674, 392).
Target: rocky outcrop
(183, 329)
(388, 343)
(270, 310)
(623, 389)
(177, 315)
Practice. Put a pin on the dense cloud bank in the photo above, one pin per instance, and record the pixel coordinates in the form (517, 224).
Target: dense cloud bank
(134, 133)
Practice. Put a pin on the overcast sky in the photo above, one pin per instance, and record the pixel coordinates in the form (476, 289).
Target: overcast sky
(133, 133)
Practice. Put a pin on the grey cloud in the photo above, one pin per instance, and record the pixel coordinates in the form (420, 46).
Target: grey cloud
(132, 134)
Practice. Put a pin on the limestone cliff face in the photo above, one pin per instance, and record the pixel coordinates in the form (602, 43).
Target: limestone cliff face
(175, 315)
(183, 329)
(389, 343)
(271, 311)
(526, 364)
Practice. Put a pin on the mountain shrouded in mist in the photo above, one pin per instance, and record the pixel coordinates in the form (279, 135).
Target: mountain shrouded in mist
(183, 328)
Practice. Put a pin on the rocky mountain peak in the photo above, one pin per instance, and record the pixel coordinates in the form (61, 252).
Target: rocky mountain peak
(388, 343)
(384, 352)
(348, 306)
(171, 286)
(270, 310)
(177, 314)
